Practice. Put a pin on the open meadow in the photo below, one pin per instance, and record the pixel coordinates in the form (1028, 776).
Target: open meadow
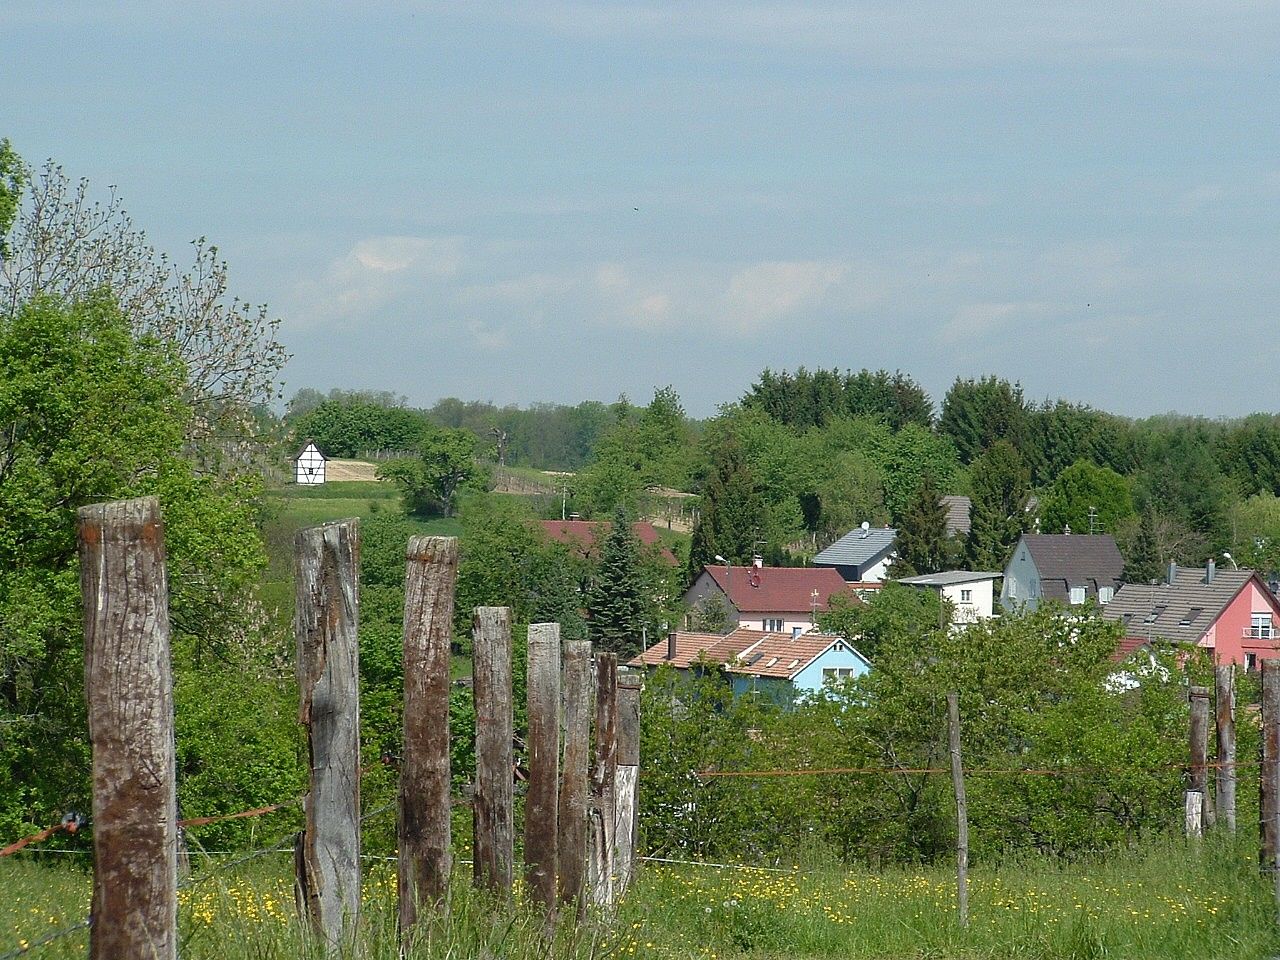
(1166, 902)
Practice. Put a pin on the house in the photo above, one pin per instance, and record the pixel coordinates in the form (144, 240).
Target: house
(585, 536)
(309, 465)
(774, 599)
(972, 593)
(862, 555)
(1066, 567)
(779, 665)
(958, 510)
(1230, 612)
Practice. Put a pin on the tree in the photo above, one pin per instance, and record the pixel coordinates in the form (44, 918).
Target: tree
(1142, 558)
(978, 413)
(445, 464)
(1180, 479)
(732, 514)
(354, 424)
(616, 603)
(896, 615)
(12, 175)
(999, 513)
(1087, 498)
(923, 545)
(67, 245)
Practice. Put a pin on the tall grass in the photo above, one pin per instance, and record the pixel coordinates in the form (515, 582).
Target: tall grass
(1169, 901)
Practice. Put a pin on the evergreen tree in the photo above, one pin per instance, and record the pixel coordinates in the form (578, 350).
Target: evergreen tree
(733, 512)
(615, 604)
(1000, 489)
(922, 545)
(1143, 563)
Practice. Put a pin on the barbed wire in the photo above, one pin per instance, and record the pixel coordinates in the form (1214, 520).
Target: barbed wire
(970, 772)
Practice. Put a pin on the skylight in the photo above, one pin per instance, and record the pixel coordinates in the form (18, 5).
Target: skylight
(1190, 616)
(1154, 615)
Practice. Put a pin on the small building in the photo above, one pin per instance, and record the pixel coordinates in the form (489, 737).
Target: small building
(1066, 567)
(771, 599)
(862, 555)
(778, 665)
(585, 536)
(1230, 612)
(972, 593)
(309, 465)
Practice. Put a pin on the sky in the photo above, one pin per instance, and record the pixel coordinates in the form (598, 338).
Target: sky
(563, 201)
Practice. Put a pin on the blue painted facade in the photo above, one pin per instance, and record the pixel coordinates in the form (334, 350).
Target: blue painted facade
(1021, 589)
(838, 656)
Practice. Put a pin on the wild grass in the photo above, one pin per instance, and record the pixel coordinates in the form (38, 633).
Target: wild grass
(1169, 901)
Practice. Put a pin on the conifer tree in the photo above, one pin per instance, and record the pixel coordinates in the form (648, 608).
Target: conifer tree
(733, 513)
(615, 603)
(922, 545)
(1001, 485)
(1143, 563)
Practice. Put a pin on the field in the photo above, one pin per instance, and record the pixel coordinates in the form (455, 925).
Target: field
(1169, 901)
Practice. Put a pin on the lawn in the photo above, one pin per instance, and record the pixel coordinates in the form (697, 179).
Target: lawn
(1167, 901)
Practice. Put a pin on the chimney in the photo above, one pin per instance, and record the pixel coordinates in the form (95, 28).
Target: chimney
(1172, 574)
(1210, 569)
(671, 645)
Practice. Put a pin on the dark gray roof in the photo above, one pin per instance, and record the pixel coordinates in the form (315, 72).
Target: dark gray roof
(1074, 560)
(950, 577)
(958, 509)
(1159, 610)
(859, 547)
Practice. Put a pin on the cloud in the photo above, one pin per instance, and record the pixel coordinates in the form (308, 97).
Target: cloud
(976, 321)
(767, 292)
(487, 337)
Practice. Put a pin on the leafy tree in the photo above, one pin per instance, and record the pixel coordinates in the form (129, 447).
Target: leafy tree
(12, 175)
(1061, 433)
(1250, 454)
(923, 545)
(812, 399)
(1256, 526)
(999, 513)
(616, 603)
(445, 464)
(1080, 488)
(976, 414)
(355, 424)
(1181, 479)
(1142, 558)
(732, 514)
(895, 615)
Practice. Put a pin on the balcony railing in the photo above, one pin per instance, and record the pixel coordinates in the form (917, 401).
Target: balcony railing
(1260, 633)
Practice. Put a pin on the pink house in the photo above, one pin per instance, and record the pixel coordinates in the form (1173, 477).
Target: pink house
(1230, 612)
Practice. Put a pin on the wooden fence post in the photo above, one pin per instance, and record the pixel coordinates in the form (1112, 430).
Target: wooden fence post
(1194, 805)
(1225, 680)
(626, 783)
(573, 824)
(1270, 771)
(129, 691)
(541, 830)
(1199, 750)
(492, 806)
(962, 809)
(603, 777)
(423, 825)
(327, 619)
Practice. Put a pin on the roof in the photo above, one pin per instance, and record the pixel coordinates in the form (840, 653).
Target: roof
(754, 653)
(858, 547)
(781, 589)
(950, 577)
(1127, 647)
(691, 646)
(1182, 611)
(958, 510)
(584, 534)
(309, 447)
(1075, 559)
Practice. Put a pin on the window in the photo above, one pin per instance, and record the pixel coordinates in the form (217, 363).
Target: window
(796, 631)
(1012, 585)
(1077, 595)
(773, 626)
(836, 674)
(1154, 615)
(1191, 616)
(1105, 594)
(1035, 588)
(966, 596)
(1251, 661)
(1260, 627)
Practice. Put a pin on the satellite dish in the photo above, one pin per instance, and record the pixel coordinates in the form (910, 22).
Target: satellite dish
(866, 525)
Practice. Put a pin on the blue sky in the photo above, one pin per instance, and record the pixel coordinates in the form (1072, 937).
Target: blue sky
(563, 201)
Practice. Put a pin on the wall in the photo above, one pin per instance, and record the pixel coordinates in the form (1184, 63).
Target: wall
(705, 586)
(1227, 637)
(878, 571)
(790, 620)
(809, 680)
(1022, 574)
(982, 605)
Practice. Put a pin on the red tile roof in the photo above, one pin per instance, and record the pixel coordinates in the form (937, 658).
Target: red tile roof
(753, 653)
(584, 535)
(713, 647)
(1127, 647)
(780, 589)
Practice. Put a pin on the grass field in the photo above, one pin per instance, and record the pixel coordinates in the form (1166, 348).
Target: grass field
(1167, 902)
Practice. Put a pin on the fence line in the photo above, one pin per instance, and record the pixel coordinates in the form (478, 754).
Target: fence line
(976, 771)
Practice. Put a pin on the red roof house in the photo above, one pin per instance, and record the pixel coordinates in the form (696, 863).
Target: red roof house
(585, 535)
(772, 599)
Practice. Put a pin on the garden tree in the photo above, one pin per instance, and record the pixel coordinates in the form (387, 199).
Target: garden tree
(711, 614)
(1181, 480)
(732, 513)
(922, 545)
(909, 456)
(999, 513)
(616, 601)
(896, 614)
(445, 464)
(91, 412)
(67, 245)
(1255, 525)
(1142, 560)
(665, 438)
(1083, 487)
(978, 413)
(355, 424)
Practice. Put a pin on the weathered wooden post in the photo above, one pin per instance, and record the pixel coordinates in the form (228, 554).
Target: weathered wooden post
(1194, 807)
(1199, 750)
(1225, 680)
(1270, 772)
(541, 815)
(962, 810)
(423, 826)
(626, 783)
(603, 779)
(492, 806)
(327, 620)
(573, 823)
(129, 690)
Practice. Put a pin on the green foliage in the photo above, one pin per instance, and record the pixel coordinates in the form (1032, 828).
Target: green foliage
(976, 414)
(1249, 453)
(1143, 562)
(1061, 433)
(12, 176)
(615, 604)
(1255, 524)
(445, 464)
(357, 424)
(896, 615)
(651, 447)
(804, 399)
(999, 513)
(923, 545)
(733, 513)
(1080, 488)
(1181, 479)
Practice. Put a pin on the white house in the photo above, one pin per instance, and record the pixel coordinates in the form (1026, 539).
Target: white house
(972, 593)
(862, 555)
(769, 599)
(309, 465)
